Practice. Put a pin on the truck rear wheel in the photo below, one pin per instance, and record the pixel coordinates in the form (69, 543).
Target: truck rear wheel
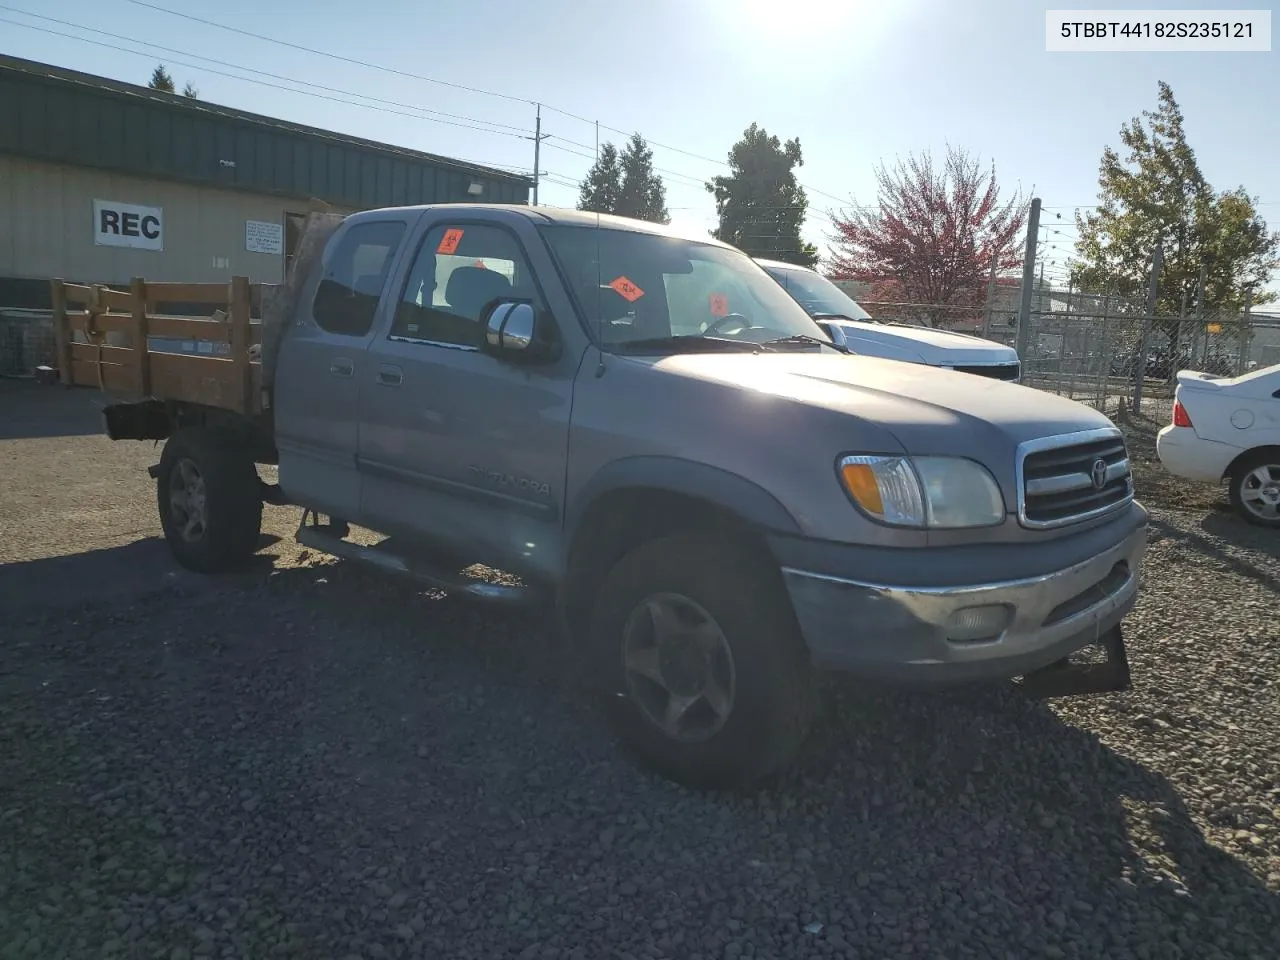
(704, 669)
(209, 499)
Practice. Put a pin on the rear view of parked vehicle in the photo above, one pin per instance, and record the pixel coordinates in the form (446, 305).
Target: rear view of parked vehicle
(1228, 429)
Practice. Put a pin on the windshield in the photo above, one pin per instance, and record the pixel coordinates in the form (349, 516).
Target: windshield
(636, 288)
(817, 294)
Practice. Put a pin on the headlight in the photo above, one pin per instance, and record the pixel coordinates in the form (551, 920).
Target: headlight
(936, 492)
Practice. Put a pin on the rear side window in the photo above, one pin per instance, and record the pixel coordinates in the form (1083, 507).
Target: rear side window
(348, 294)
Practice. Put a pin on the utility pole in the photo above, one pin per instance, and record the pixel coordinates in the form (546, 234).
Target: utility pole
(1245, 331)
(1153, 290)
(1028, 279)
(538, 137)
(991, 295)
(1199, 328)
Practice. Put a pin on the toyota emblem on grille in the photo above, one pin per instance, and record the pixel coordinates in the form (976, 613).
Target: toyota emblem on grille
(1098, 473)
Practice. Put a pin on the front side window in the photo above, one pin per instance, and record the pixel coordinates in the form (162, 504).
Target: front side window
(457, 275)
(347, 297)
(634, 288)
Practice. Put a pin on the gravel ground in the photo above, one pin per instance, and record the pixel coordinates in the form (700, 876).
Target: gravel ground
(309, 760)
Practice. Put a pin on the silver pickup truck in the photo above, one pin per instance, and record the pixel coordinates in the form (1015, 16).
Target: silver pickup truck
(643, 429)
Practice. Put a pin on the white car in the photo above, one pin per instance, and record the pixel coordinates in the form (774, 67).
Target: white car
(1228, 428)
(846, 322)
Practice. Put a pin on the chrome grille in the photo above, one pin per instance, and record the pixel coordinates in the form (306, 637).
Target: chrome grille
(1074, 477)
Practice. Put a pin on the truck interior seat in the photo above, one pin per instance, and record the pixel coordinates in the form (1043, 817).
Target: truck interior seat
(470, 288)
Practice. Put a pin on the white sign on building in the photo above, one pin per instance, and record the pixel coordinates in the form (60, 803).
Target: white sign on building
(260, 236)
(118, 224)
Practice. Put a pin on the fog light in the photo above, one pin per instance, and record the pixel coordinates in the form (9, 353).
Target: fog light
(970, 624)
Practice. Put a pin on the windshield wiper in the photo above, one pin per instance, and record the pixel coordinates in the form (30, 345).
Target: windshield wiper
(685, 342)
(805, 338)
(837, 316)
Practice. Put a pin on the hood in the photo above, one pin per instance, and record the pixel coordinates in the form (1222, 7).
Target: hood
(923, 344)
(927, 409)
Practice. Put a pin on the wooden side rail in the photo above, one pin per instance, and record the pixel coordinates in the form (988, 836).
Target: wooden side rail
(230, 381)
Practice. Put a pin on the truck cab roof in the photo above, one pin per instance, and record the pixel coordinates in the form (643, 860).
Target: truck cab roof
(561, 216)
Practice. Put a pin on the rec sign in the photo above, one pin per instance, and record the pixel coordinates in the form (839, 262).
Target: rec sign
(127, 225)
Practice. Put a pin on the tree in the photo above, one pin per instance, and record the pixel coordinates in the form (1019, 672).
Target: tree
(600, 190)
(934, 233)
(1158, 195)
(642, 194)
(160, 80)
(760, 203)
(190, 91)
(625, 184)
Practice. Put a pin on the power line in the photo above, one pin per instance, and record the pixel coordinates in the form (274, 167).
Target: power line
(516, 131)
(264, 83)
(450, 83)
(335, 56)
(690, 181)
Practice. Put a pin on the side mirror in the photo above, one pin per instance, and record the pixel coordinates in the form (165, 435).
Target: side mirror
(515, 330)
(835, 332)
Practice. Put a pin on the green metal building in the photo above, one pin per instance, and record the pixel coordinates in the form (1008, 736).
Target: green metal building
(102, 181)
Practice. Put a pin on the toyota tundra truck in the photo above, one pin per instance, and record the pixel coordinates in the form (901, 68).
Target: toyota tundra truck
(645, 432)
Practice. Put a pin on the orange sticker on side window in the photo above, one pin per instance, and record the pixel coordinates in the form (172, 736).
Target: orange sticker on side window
(626, 289)
(449, 242)
(719, 305)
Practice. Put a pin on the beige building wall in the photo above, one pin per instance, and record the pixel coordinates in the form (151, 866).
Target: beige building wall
(47, 227)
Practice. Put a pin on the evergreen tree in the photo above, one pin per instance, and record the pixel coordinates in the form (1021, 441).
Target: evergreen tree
(600, 191)
(760, 203)
(160, 80)
(643, 194)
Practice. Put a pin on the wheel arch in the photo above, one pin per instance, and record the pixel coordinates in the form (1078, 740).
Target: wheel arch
(1246, 455)
(639, 499)
(160, 419)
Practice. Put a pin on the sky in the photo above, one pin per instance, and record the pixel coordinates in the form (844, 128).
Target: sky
(859, 82)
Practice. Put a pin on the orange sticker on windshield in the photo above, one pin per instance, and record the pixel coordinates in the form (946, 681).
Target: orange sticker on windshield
(626, 289)
(719, 305)
(449, 242)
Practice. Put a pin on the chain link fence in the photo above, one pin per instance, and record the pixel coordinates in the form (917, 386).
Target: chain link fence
(1100, 348)
(26, 342)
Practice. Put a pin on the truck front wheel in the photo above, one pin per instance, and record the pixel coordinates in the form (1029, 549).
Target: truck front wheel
(705, 673)
(209, 499)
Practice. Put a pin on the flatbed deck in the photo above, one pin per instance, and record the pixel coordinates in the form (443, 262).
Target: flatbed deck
(85, 318)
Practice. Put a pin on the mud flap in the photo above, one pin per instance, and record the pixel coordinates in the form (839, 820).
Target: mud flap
(1067, 679)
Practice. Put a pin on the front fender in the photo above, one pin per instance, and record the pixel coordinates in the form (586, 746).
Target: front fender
(747, 499)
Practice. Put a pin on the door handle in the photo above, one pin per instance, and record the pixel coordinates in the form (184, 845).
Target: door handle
(390, 376)
(342, 367)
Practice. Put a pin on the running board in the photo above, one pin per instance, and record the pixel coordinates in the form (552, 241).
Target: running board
(318, 538)
(1066, 679)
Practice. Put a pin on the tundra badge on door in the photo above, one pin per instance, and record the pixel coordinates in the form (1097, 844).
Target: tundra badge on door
(500, 479)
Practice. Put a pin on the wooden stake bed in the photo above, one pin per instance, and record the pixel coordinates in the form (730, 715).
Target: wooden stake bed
(84, 315)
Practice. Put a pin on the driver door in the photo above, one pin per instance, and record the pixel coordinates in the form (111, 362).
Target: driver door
(458, 446)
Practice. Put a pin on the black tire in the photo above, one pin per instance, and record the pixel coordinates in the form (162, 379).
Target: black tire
(1240, 475)
(232, 523)
(773, 701)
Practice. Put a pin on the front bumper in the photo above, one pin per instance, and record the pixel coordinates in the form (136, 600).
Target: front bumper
(901, 632)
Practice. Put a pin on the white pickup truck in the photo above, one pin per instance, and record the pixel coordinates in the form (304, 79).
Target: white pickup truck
(846, 322)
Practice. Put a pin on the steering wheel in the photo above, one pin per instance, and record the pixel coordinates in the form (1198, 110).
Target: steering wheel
(714, 326)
